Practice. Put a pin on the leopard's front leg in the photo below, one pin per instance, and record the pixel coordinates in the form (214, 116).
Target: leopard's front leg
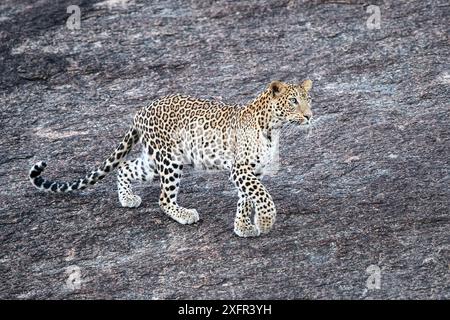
(243, 225)
(252, 190)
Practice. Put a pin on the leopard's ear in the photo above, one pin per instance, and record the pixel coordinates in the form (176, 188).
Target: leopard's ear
(276, 88)
(306, 85)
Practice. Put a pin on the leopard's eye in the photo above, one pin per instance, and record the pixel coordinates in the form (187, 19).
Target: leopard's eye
(293, 100)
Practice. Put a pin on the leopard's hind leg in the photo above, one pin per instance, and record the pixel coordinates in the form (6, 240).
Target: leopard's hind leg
(140, 169)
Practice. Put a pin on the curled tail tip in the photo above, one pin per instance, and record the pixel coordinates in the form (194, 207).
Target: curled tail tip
(41, 164)
(37, 169)
(35, 174)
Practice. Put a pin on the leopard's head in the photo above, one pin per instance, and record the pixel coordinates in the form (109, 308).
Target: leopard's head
(291, 103)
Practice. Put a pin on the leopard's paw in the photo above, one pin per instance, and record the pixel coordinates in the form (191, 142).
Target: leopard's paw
(186, 216)
(130, 201)
(247, 231)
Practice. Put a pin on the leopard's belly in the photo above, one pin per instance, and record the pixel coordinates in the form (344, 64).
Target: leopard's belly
(207, 150)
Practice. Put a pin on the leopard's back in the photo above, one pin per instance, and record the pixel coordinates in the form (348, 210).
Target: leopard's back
(200, 132)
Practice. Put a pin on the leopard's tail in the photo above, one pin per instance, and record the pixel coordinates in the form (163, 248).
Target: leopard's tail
(125, 146)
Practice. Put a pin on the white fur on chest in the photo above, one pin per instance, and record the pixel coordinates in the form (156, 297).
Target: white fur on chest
(270, 155)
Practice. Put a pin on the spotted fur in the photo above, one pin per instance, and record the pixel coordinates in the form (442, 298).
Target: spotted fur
(178, 130)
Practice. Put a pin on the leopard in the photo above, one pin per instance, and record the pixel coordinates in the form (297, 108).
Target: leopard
(178, 130)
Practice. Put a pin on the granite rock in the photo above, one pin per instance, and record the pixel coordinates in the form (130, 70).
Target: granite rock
(366, 190)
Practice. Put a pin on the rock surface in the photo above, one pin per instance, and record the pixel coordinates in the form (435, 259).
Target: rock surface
(368, 186)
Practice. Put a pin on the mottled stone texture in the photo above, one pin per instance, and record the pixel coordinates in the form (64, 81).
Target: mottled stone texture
(368, 186)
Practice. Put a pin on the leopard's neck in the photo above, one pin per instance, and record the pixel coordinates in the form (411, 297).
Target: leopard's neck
(259, 113)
